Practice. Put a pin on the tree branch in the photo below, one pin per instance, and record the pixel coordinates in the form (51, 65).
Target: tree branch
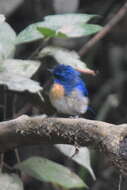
(109, 138)
(107, 28)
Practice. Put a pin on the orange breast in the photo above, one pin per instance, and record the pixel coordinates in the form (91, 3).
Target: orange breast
(57, 91)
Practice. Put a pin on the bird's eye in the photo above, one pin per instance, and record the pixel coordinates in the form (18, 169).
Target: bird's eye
(60, 75)
(56, 75)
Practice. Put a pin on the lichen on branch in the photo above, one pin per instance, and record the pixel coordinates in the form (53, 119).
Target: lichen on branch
(25, 130)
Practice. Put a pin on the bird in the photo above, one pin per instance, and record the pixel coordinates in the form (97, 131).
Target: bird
(68, 93)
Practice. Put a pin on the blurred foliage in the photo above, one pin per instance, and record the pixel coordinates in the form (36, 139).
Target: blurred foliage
(46, 170)
(61, 26)
(16, 76)
(10, 182)
(107, 90)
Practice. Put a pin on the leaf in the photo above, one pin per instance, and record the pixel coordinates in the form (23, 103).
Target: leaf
(7, 41)
(63, 56)
(30, 33)
(58, 26)
(82, 157)
(24, 68)
(15, 75)
(10, 182)
(68, 19)
(50, 33)
(49, 171)
(66, 57)
(80, 29)
(19, 83)
(2, 18)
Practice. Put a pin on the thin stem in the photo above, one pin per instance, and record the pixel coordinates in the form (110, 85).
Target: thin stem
(35, 53)
(14, 113)
(2, 160)
(24, 110)
(5, 105)
(17, 155)
(120, 182)
(4, 118)
(14, 105)
(40, 96)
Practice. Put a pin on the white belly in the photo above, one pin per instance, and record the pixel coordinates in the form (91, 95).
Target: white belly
(75, 104)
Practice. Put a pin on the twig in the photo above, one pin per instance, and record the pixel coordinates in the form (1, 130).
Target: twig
(5, 104)
(120, 182)
(116, 18)
(40, 96)
(17, 155)
(1, 160)
(13, 114)
(26, 108)
(4, 118)
(35, 53)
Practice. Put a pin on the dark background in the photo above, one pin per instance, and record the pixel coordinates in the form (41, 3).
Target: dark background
(107, 90)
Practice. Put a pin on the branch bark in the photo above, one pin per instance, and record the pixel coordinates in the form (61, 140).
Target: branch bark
(110, 139)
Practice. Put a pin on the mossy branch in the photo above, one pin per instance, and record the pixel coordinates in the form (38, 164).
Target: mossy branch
(110, 139)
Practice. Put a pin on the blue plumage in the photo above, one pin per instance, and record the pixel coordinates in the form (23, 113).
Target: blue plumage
(69, 78)
(68, 93)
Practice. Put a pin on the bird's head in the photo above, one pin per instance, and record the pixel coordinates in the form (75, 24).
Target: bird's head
(65, 73)
(69, 78)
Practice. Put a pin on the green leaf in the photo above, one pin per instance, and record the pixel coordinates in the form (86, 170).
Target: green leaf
(49, 171)
(64, 56)
(80, 30)
(82, 157)
(10, 182)
(30, 33)
(68, 19)
(50, 33)
(7, 41)
(15, 75)
(57, 26)
(88, 29)
(46, 31)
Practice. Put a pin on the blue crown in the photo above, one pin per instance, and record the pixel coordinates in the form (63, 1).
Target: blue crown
(69, 78)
